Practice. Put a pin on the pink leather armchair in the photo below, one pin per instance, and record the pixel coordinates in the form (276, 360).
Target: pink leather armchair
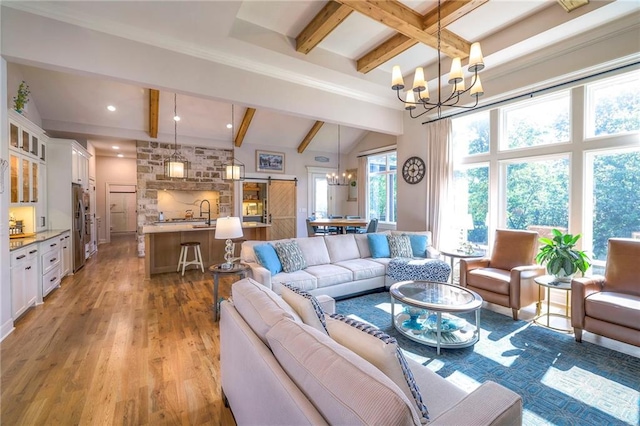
(610, 305)
(506, 278)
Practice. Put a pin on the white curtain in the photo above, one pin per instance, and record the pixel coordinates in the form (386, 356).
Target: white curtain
(362, 186)
(439, 179)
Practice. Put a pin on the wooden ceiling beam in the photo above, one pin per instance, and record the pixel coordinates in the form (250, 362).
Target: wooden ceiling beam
(450, 12)
(410, 23)
(154, 106)
(570, 5)
(331, 15)
(244, 126)
(307, 139)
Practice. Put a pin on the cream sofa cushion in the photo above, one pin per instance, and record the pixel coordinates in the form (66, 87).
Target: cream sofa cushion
(342, 247)
(363, 269)
(330, 274)
(300, 279)
(379, 349)
(314, 250)
(260, 307)
(363, 245)
(305, 305)
(346, 389)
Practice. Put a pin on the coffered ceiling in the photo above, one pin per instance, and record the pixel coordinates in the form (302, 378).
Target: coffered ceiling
(339, 48)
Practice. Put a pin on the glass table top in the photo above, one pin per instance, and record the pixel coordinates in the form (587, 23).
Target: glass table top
(435, 296)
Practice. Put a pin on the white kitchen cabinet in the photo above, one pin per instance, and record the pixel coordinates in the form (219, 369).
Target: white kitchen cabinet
(25, 179)
(65, 242)
(50, 264)
(41, 205)
(24, 279)
(80, 167)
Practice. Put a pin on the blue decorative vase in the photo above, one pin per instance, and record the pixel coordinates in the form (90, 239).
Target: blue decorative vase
(412, 323)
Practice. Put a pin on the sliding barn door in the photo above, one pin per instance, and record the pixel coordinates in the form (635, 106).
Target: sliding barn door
(282, 209)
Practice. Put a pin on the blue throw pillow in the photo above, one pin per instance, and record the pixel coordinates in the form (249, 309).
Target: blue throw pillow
(267, 257)
(418, 245)
(378, 245)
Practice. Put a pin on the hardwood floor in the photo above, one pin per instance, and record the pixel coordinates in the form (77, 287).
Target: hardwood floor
(109, 348)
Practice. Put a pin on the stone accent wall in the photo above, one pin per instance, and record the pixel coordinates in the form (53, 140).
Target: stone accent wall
(206, 170)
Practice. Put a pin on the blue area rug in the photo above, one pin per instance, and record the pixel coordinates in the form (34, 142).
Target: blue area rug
(561, 382)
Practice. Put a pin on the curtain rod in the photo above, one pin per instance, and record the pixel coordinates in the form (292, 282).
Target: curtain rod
(378, 152)
(537, 92)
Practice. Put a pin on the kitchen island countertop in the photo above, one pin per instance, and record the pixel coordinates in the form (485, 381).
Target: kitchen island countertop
(158, 228)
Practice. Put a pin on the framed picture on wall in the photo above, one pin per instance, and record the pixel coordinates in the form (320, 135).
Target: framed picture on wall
(268, 161)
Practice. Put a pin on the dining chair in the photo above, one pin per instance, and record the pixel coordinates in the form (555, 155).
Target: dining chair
(353, 229)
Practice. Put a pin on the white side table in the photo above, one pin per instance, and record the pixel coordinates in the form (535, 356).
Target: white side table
(549, 281)
(453, 254)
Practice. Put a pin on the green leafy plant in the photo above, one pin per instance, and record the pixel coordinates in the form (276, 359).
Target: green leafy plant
(560, 255)
(22, 97)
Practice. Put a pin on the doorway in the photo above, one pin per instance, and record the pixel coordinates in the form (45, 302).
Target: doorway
(122, 209)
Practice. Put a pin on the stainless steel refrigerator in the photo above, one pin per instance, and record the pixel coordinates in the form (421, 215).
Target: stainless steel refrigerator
(78, 231)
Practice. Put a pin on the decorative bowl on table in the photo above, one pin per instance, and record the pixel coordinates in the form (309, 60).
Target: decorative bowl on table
(413, 322)
(447, 324)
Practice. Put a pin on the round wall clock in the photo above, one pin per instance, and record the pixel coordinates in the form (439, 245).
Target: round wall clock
(413, 170)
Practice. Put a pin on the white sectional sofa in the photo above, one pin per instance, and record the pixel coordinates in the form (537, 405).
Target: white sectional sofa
(277, 368)
(336, 265)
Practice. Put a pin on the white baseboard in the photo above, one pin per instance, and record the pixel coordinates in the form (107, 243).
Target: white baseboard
(6, 329)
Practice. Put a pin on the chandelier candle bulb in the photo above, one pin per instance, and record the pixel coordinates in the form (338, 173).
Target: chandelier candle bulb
(458, 87)
(410, 101)
(424, 95)
(476, 89)
(397, 83)
(418, 80)
(476, 61)
(455, 76)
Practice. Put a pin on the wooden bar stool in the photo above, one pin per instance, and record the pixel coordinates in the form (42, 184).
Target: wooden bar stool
(184, 253)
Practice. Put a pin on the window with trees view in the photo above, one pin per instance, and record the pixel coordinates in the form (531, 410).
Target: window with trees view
(382, 186)
(579, 172)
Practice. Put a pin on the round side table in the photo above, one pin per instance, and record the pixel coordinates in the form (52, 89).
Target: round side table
(218, 270)
(453, 254)
(549, 281)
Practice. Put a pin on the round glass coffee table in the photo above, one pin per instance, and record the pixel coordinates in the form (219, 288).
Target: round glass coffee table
(429, 311)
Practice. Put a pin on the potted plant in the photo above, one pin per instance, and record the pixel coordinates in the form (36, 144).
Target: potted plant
(563, 260)
(22, 97)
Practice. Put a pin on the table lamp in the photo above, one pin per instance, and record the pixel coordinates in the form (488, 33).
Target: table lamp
(226, 229)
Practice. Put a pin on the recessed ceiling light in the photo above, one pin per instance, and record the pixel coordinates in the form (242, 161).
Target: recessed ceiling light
(176, 118)
(111, 108)
(120, 155)
(229, 125)
(115, 147)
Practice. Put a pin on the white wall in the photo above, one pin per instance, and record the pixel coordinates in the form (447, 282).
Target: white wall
(111, 170)
(6, 322)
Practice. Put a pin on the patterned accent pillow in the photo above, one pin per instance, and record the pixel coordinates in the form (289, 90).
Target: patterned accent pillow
(388, 358)
(305, 305)
(290, 256)
(400, 246)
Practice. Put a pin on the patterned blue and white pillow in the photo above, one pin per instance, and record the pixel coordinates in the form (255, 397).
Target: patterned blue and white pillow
(400, 246)
(363, 339)
(290, 256)
(305, 305)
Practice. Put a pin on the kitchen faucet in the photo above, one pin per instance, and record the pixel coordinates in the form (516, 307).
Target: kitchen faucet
(208, 212)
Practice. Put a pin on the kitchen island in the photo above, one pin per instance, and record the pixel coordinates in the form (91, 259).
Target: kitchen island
(162, 243)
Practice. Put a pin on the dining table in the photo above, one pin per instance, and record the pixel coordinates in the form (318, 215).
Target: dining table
(340, 224)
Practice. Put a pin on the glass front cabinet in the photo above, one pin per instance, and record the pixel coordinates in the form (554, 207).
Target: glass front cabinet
(27, 161)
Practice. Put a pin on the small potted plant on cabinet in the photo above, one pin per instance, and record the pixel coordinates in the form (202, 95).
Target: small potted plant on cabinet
(22, 97)
(562, 259)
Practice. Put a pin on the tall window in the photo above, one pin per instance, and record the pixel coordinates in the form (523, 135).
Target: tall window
(532, 162)
(537, 193)
(542, 121)
(382, 187)
(471, 186)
